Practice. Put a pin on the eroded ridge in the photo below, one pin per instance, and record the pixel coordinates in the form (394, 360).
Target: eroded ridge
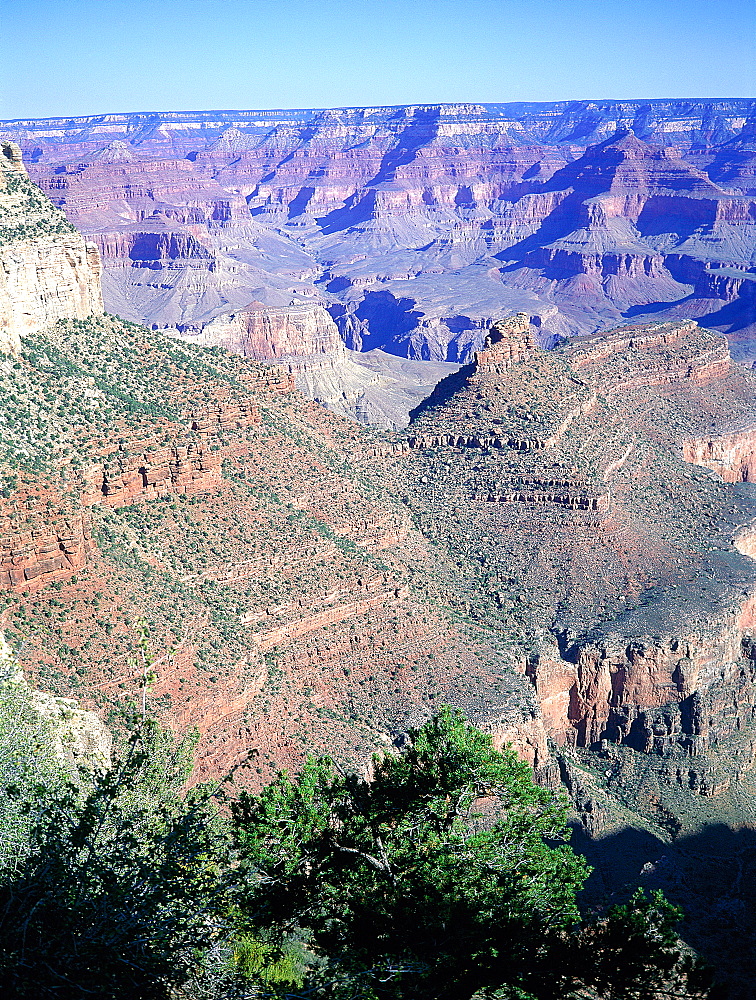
(613, 555)
(655, 354)
(521, 401)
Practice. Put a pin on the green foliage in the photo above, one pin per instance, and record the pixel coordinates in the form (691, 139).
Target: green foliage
(125, 888)
(401, 873)
(29, 767)
(268, 964)
(633, 953)
(111, 377)
(444, 875)
(25, 212)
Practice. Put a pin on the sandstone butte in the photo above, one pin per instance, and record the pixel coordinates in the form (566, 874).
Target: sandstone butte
(560, 543)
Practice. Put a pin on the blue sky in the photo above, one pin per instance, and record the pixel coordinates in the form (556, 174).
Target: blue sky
(74, 57)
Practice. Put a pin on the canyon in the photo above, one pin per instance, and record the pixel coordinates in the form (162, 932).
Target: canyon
(559, 542)
(415, 227)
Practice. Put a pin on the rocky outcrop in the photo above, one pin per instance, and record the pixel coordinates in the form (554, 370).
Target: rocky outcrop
(334, 608)
(267, 334)
(685, 691)
(680, 351)
(78, 740)
(188, 465)
(305, 342)
(47, 279)
(487, 404)
(732, 456)
(663, 664)
(47, 270)
(507, 343)
(37, 549)
(177, 469)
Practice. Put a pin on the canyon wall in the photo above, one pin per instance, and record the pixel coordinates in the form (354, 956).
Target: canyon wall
(418, 226)
(563, 477)
(47, 270)
(271, 334)
(559, 544)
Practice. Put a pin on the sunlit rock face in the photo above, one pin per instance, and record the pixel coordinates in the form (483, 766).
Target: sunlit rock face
(373, 388)
(47, 270)
(76, 740)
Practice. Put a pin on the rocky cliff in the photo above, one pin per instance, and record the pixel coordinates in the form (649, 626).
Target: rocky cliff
(304, 341)
(239, 519)
(268, 334)
(47, 270)
(418, 226)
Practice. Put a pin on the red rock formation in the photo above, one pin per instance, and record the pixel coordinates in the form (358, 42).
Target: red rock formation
(507, 343)
(44, 538)
(671, 672)
(619, 689)
(682, 352)
(340, 608)
(589, 218)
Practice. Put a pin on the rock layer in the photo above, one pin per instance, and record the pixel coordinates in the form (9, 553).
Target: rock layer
(47, 270)
(416, 227)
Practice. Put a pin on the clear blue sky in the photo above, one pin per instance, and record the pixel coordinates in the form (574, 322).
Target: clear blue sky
(74, 57)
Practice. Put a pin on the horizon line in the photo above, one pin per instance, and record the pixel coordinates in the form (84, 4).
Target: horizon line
(376, 107)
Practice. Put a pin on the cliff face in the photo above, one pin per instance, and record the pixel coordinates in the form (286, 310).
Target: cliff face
(416, 227)
(47, 270)
(304, 341)
(273, 334)
(37, 549)
(731, 455)
(690, 690)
